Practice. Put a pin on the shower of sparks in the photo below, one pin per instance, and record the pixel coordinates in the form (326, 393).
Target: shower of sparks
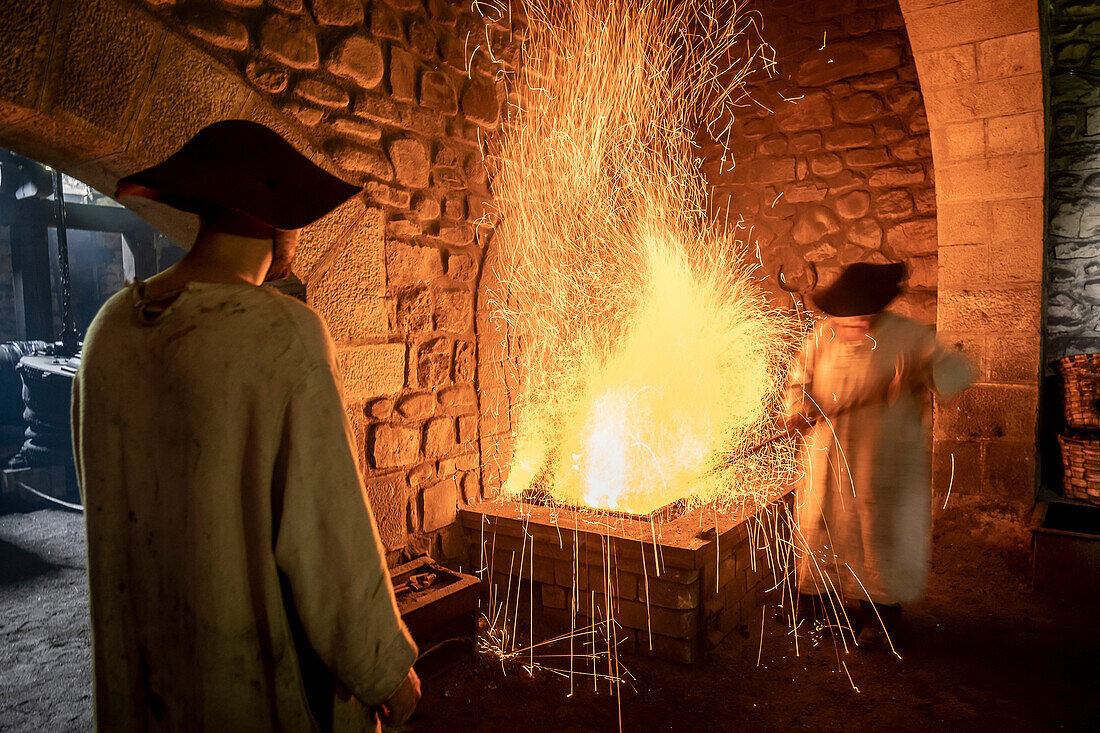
(642, 363)
(645, 360)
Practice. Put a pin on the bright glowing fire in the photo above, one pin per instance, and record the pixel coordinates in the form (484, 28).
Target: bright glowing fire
(646, 360)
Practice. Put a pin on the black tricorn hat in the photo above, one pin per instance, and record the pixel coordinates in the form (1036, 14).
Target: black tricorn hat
(862, 289)
(242, 166)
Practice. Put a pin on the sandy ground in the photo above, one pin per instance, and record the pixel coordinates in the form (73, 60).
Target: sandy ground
(980, 652)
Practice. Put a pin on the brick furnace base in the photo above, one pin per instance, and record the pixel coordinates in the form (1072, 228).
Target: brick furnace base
(677, 588)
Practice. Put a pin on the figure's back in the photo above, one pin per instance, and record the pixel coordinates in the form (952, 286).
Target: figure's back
(177, 427)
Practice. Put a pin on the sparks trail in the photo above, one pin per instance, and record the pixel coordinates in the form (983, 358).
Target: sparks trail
(641, 354)
(639, 361)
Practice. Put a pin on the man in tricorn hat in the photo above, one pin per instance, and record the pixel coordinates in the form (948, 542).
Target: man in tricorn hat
(237, 579)
(858, 393)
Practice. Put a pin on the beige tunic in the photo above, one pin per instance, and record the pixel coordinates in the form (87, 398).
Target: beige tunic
(230, 543)
(864, 497)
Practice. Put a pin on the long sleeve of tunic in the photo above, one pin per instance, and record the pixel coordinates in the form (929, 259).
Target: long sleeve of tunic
(233, 558)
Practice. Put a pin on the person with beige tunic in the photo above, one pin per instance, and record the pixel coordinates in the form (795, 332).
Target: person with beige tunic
(858, 393)
(237, 582)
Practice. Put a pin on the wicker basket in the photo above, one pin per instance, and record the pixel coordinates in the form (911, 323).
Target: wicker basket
(1081, 390)
(1081, 464)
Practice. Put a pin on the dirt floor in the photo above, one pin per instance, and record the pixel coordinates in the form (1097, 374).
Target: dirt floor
(980, 652)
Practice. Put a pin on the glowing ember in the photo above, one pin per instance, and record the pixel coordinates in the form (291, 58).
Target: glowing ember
(646, 359)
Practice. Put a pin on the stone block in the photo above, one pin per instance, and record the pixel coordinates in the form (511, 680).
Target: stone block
(416, 406)
(812, 112)
(1009, 56)
(826, 164)
(922, 272)
(1013, 134)
(989, 412)
(986, 99)
(27, 28)
(1008, 472)
(867, 158)
(387, 497)
(369, 371)
(956, 465)
(467, 432)
(381, 408)
(1013, 359)
(438, 93)
(553, 596)
(953, 24)
(403, 72)
(188, 91)
(395, 446)
(266, 77)
(1017, 261)
(853, 205)
(865, 233)
(359, 59)
(102, 60)
(963, 266)
(323, 95)
(290, 40)
(844, 59)
(471, 486)
(423, 38)
(859, 107)
(216, 28)
(949, 66)
(440, 505)
(381, 194)
(894, 204)
(385, 23)
(439, 437)
(813, 223)
(1005, 177)
(347, 290)
(667, 594)
(961, 141)
(962, 223)
(433, 363)
(916, 237)
(359, 158)
(458, 398)
(897, 176)
(364, 132)
(454, 311)
(410, 162)
(412, 265)
(337, 12)
(413, 311)
(989, 310)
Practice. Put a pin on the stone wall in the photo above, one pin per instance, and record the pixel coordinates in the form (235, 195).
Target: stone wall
(377, 92)
(832, 163)
(394, 93)
(1073, 174)
(981, 75)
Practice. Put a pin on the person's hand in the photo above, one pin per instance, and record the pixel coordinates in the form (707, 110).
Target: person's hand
(400, 705)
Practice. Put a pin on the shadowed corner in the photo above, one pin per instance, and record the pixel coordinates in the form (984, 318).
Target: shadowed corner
(17, 565)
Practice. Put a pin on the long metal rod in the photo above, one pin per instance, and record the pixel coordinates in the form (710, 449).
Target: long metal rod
(69, 336)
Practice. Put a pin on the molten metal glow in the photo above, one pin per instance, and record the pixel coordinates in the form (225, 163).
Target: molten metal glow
(644, 361)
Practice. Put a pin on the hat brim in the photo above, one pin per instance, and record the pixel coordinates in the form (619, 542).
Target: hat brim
(244, 167)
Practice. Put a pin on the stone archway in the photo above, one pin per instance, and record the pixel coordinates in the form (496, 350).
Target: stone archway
(101, 88)
(980, 70)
